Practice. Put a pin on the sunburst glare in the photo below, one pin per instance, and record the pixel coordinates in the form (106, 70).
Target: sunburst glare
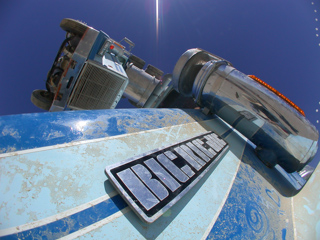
(157, 21)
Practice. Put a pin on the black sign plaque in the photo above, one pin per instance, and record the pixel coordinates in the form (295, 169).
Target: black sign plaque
(153, 182)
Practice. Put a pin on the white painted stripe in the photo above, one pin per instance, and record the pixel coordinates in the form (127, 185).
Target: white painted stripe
(206, 233)
(63, 145)
(70, 144)
(28, 226)
(293, 219)
(24, 227)
(96, 225)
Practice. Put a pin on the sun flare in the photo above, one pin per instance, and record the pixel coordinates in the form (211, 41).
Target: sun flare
(157, 19)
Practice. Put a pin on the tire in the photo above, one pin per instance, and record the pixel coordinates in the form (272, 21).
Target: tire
(153, 71)
(73, 26)
(138, 62)
(42, 99)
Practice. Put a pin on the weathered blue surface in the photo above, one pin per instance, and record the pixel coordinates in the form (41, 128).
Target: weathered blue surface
(254, 209)
(73, 223)
(27, 131)
(44, 190)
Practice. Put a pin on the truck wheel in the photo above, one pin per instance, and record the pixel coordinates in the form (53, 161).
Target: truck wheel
(73, 26)
(42, 99)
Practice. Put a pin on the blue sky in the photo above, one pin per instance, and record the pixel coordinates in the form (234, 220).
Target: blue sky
(274, 40)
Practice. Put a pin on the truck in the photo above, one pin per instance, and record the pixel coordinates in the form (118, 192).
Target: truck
(92, 71)
(208, 152)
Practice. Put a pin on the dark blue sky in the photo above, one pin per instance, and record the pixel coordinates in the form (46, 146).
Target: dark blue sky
(274, 40)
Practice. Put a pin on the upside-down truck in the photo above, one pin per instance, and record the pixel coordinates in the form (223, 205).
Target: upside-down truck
(208, 152)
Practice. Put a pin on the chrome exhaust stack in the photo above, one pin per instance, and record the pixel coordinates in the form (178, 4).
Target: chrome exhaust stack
(282, 135)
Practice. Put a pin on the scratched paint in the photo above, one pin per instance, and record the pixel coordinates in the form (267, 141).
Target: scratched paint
(307, 209)
(193, 213)
(46, 129)
(44, 183)
(49, 181)
(254, 209)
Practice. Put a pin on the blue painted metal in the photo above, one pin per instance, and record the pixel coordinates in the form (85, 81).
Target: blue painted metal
(47, 129)
(74, 222)
(253, 209)
(54, 163)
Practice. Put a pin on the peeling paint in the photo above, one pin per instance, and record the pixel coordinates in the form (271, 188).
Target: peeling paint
(71, 175)
(67, 171)
(10, 131)
(306, 209)
(47, 129)
(310, 212)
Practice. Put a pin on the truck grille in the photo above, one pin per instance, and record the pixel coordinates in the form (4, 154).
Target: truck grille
(97, 88)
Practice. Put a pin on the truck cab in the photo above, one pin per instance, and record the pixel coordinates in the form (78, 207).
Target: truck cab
(87, 73)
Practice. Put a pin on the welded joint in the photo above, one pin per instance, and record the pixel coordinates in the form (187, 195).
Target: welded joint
(214, 67)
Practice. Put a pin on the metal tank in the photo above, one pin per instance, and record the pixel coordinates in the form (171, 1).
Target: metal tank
(281, 133)
(145, 86)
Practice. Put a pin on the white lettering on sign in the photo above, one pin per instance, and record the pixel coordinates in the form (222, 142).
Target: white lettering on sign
(153, 182)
